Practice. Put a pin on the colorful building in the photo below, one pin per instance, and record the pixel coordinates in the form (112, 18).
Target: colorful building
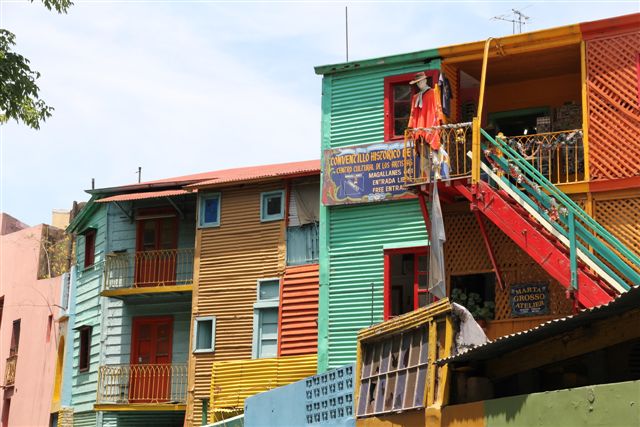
(31, 304)
(256, 285)
(544, 208)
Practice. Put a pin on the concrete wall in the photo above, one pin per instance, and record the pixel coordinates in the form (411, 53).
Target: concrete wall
(35, 303)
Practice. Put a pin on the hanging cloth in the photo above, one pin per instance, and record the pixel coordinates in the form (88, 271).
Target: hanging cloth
(445, 92)
(426, 112)
(437, 284)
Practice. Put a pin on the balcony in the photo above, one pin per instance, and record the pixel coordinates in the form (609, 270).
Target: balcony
(559, 156)
(167, 270)
(146, 386)
(10, 371)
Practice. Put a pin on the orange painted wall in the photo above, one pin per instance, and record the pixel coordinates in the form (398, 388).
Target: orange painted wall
(299, 311)
(465, 415)
(409, 418)
(230, 259)
(546, 92)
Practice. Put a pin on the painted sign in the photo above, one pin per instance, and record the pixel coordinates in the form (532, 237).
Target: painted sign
(364, 173)
(529, 299)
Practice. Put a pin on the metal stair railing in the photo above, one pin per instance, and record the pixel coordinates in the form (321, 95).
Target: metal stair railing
(568, 218)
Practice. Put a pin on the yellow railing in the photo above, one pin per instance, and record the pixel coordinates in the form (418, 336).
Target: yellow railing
(10, 370)
(167, 267)
(559, 156)
(148, 383)
(420, 159)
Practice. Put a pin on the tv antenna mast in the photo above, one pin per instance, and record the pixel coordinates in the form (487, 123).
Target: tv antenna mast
(517, 19)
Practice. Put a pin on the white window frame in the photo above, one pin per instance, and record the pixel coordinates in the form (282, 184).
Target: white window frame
(195, 334)
(257, 307)
(263, 216)
(201, 202)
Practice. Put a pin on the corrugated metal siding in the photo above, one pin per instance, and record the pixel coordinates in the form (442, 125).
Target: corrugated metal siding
(88, 311)
(84, 419)
(357, 104)
(356, 265)
(233, 257)
(234, 381)
(299, 311)
(136, 419)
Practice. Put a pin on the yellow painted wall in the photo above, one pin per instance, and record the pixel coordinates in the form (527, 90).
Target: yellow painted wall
(410, 418)
(229, 261)
(465, 415)
(547, 92)
(233, 381)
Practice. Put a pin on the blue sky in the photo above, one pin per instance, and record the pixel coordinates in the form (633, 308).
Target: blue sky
(183, 87)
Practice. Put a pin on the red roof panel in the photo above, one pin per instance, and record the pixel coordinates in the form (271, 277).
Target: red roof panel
(140, 196)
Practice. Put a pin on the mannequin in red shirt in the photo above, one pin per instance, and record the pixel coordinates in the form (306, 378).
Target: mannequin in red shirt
(426, 110)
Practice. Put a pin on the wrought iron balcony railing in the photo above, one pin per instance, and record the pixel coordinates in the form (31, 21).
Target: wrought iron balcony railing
(144, 383)
(167, 267)
(10, 370)
(559, 156)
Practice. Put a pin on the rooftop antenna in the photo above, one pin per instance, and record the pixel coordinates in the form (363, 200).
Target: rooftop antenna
(346, 30)
(139, 174)
(93, 183)
(517, 19)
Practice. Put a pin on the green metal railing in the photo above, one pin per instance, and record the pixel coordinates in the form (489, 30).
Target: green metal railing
(567, 218)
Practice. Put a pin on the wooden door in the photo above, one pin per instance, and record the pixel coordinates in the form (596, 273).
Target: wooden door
(156, 255)
(151, 346)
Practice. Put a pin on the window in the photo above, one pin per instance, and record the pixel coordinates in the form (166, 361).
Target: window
(209, 212)
(397, 102)
(394, 373)
(85, 348)
(204, 335)
(265, 323)
(476, 292)
(406, 280)
(89, 247)
(272, 206)
(49, 327)
(15, 338)
(302, 244)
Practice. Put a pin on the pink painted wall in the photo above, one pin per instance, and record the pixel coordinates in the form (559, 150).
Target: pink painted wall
(32, 301)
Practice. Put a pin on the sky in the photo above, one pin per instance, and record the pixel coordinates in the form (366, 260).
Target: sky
(180, 87)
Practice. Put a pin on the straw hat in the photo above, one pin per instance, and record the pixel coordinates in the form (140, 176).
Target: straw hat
(418, 77)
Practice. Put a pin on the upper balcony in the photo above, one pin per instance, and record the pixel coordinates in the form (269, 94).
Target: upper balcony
(146, 272)
(559, 156)
(142, 387)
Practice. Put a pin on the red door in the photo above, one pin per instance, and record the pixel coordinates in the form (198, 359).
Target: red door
(156, 255)
(150, 377)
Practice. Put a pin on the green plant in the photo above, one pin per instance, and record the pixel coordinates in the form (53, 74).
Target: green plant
(479, 309)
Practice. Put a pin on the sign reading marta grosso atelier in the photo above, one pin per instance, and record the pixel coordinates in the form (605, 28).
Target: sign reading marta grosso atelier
(529, 299)
(364, 173)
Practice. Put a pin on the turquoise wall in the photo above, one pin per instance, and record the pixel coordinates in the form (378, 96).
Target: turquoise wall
(88, 311)
(352, 237)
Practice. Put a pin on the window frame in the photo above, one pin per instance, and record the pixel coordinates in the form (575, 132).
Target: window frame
(196, 321)
(258, 308)
(14, 345)
(201, 206)
(84, 351)
(416, 251)
(389, 82)
(89, 247)
(264, 217)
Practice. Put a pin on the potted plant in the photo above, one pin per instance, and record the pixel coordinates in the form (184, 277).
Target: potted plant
(480, 310)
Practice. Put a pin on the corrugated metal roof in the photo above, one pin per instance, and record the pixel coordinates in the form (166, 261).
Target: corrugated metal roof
(223, 175)
(255, 173)
(624, 302)
(140, 196)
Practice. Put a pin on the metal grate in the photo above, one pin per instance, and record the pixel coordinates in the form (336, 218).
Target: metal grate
(614, 107)
(10, 370)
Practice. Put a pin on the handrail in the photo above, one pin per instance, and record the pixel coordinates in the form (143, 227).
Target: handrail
(477, 120)
(539, 189)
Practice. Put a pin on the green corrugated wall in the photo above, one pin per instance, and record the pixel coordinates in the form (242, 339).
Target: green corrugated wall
(352, 237)
(141, 418)
(84, 419)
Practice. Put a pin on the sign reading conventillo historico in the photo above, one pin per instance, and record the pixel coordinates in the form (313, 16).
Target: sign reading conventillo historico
(529, 299)
(364, 173)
